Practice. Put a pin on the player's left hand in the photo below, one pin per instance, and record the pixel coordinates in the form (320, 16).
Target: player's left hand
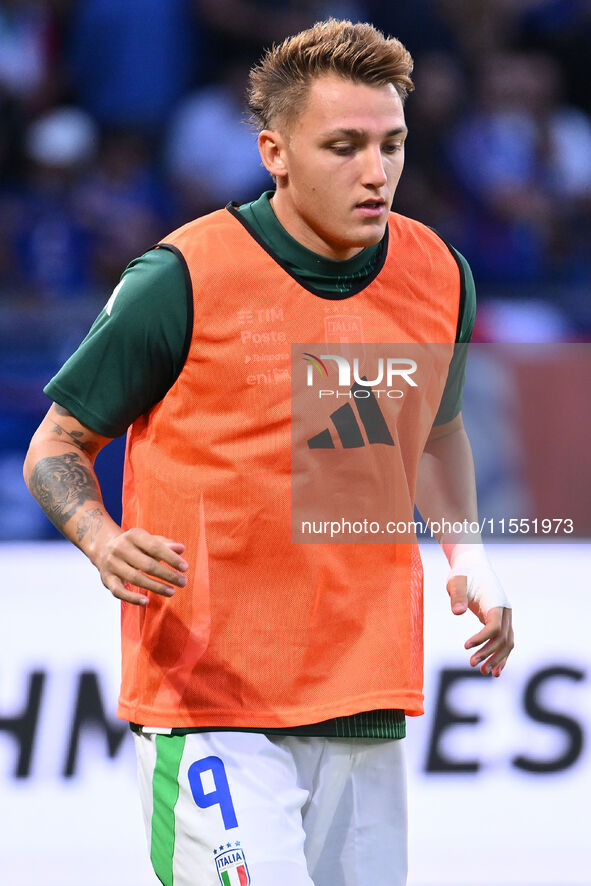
(496, 637)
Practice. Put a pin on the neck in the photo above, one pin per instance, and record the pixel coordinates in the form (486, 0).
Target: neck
(299, 230)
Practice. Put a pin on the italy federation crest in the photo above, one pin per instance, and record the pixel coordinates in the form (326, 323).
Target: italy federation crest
(231, 866)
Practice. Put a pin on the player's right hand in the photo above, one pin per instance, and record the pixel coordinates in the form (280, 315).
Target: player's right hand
(146, 561)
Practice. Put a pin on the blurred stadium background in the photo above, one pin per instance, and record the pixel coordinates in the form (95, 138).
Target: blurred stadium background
(119, 120)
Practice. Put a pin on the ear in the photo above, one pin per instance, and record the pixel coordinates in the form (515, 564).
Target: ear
(272, 147)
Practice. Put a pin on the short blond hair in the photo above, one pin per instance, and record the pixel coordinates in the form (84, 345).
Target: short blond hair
(279, 83)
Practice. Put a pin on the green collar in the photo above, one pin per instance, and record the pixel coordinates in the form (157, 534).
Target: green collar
(321, 273)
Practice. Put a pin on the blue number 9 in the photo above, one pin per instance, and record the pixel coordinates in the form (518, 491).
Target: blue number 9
(220, 796)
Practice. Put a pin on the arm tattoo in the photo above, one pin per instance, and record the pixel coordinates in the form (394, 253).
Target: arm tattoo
(75, 436)
(91, 519)
(61, 483)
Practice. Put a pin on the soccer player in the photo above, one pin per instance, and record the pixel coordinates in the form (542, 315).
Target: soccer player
(266, 681)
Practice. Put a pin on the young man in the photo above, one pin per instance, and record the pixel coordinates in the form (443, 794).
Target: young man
(266, 681)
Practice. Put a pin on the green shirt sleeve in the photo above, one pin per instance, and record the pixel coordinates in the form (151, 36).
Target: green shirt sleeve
(134, 350)
(451, 400)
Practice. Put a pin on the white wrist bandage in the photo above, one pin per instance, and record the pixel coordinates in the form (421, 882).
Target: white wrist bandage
(483, 586)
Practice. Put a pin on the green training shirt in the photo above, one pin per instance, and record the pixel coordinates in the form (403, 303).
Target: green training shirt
(137, 346)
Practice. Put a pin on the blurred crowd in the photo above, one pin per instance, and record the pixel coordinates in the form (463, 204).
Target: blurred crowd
(121, 120)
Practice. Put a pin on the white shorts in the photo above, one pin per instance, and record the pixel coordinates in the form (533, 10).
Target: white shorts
(238, 808)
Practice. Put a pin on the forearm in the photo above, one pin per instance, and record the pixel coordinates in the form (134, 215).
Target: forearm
(446, 494)
(59, 472)
(446, 486)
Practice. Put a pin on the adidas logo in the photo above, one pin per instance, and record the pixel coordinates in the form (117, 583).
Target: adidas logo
(347, 427)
